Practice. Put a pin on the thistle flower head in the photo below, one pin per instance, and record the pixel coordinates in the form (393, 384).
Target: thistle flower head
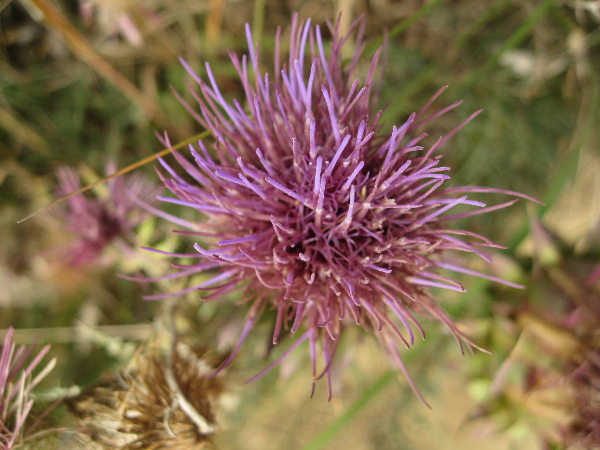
(323, 215)
(16, 384)
(96, 222)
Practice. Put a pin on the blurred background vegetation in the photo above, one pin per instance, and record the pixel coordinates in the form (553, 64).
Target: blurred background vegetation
(85, 81)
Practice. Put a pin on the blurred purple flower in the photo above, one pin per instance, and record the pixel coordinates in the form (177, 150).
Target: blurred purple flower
(319, 213)
(16, 384)
(97, 221)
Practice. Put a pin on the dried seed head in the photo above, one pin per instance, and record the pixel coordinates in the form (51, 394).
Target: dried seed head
(153, 407)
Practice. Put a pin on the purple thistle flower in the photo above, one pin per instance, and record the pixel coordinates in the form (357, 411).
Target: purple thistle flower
(319, 213)
(98, 221)
(16, 384)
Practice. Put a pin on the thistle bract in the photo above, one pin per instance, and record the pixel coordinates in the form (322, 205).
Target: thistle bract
(324, 216)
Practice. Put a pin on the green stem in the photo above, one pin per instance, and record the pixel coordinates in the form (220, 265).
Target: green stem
(258, 19)
(479, 23)
(398, 29)
(520, 33)
(422, 361)
(326, 435)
